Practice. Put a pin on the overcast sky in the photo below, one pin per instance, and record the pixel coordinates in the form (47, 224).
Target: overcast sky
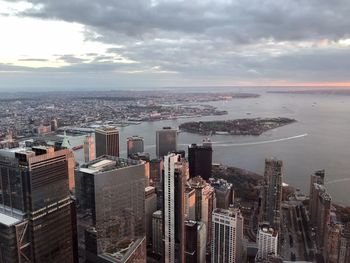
(67, 44)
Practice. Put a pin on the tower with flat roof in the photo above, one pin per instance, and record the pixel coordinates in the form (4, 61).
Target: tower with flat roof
(134, 145)
(166, 141)
(107, 141)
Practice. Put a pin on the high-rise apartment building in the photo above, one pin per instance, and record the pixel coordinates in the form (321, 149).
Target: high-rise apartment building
(166, 141)
(112, 191)
(37, 214)
(227, 236)
(107, 141)
(89, 148)
(174, 179)
(195, 242)
(267, 240)
(135, 144)
(200, 160)
(272, 193)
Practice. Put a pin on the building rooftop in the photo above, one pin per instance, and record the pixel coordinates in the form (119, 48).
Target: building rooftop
(267, 229)
(107, 163)
(226, 212)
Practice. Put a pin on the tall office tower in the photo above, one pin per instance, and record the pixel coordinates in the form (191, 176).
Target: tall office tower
(227, 233)
(272, 193)
(190, 203)
(224, 193)
(175, 173)
(157, 233)
(150, 208)
(200, 160)
(267, 240)
(54, 125)
(344, 250)
(89, 148)
(135, 144)
(205, 203)
(195, 242)
(323, 220)
(166, 141)
(37, 214)
(112, 191)
(316, 178)
(107, 141)
(155, 172)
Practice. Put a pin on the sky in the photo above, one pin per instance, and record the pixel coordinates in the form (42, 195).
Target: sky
(99, 44)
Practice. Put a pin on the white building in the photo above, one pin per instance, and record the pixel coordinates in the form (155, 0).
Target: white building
(267, 242)
(227, 236)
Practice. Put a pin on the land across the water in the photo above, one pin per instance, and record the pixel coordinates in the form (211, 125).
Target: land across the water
(254, 126)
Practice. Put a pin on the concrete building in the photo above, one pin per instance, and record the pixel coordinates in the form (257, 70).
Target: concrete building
(37, 214)
(272, 193)
(227, 233)
(134, 145)
(200, 160)
(150, 208)
(224, 193)
(190, 203)
(107, 141)
(166, 141)
(175, 174)
(112, 191)
(89, 148)
(267, 239)
(157, 233)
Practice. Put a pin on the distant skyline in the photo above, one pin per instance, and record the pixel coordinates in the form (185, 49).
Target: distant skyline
(107, 44)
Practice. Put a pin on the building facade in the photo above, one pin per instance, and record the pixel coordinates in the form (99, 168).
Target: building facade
(134, 145)
(166, 141)
(107, 141)
(200, 160)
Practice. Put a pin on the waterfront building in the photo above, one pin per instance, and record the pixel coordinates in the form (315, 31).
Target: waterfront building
(227, 233)
(316, 178)
(135, 144)
(107, 141)
(200, 160)
(166, 141)
(89, 148)
(37, 213)
(267, 239)
(272, 193)
(174, 179)
(112, 191)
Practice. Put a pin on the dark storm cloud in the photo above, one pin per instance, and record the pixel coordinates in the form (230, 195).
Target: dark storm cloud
(238, 40)
(240, 20)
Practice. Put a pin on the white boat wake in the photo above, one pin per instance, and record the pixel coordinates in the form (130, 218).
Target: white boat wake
(338, 181)
(220, 144)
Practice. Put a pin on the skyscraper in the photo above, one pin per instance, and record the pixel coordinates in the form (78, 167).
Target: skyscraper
(135, 144)
(166, 141)
(205, 203)
(227, 233)
(224, 193)
(150, 208)
(267, 240)
(200, 160)
(112, 190)
(37, 214)
(157, 233)
(272, 193)
(175, 173)
(107, 141)
(195, 242)
(89, 148)
(316, 179)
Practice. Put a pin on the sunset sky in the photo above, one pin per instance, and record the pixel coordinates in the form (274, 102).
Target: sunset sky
(51, 44)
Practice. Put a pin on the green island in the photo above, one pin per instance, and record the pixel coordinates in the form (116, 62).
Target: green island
(255, 126)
